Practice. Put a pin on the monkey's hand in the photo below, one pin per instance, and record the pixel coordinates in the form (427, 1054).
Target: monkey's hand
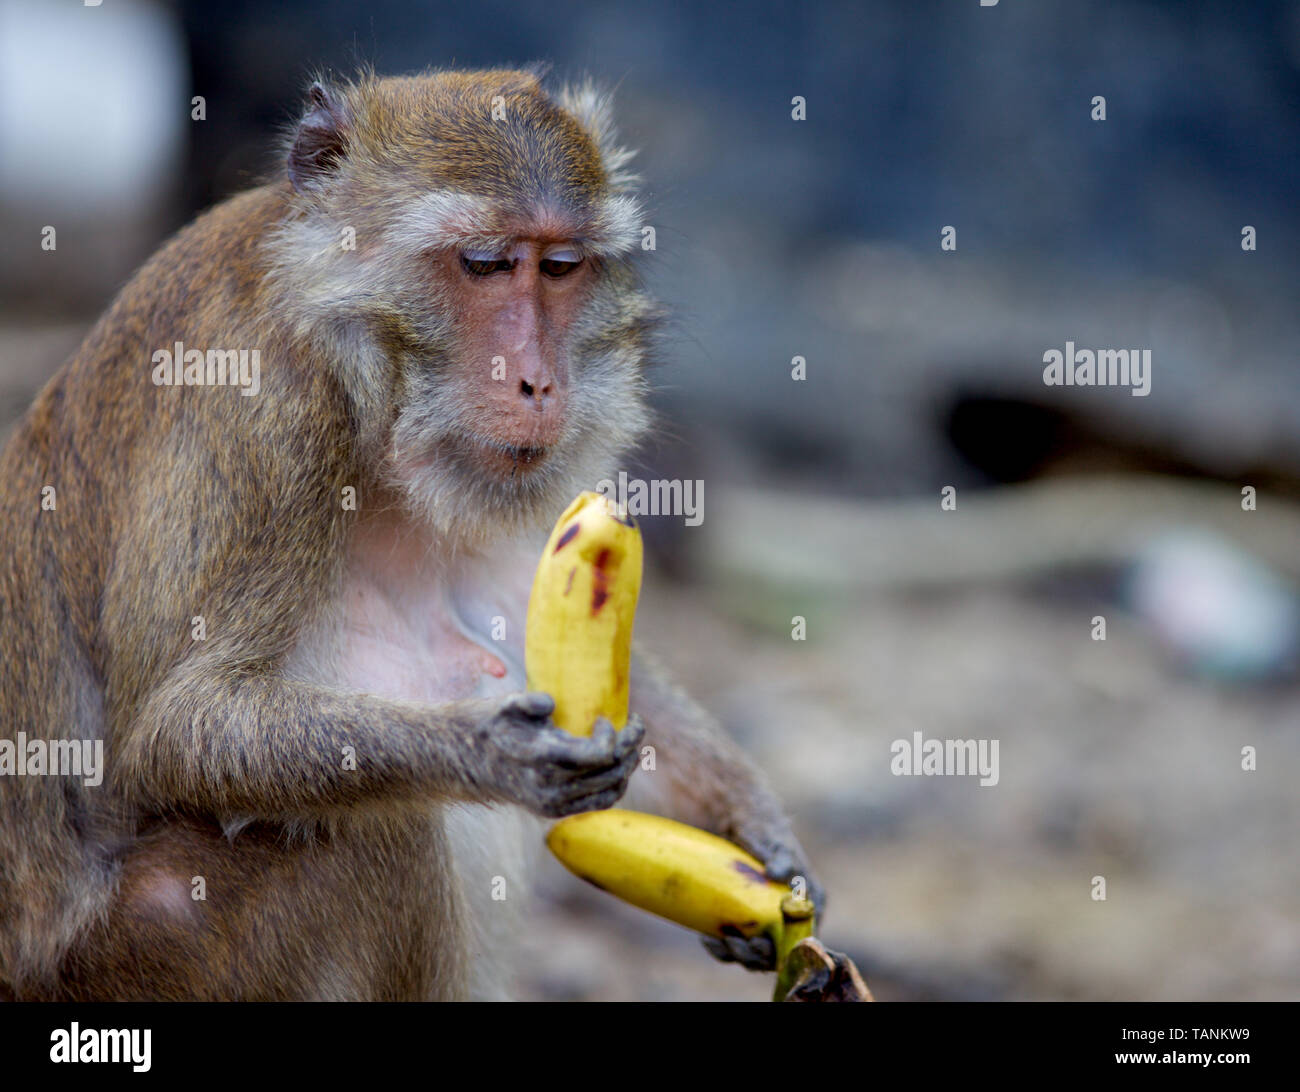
(548, 770)
(769, 838)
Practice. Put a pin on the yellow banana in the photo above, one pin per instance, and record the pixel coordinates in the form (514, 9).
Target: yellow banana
(577, 648)
(578, 638)
(681, 873)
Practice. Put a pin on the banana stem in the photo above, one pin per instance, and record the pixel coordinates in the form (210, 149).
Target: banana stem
(798, 920)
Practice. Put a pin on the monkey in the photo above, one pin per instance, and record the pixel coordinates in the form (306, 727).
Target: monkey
(275, 603)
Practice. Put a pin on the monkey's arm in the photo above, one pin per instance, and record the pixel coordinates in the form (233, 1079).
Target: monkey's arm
(703, 778)
(261, 745)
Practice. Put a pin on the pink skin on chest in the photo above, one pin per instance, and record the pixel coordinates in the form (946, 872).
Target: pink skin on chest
(409, 646)
(408, 624)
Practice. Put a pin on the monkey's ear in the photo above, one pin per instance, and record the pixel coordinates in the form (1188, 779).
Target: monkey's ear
(320, 141)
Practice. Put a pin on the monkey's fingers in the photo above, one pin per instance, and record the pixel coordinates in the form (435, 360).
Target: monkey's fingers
(530, 705)
(599, 777)
(593, 802)
(565, 790)
(628, 741)
(568, 794)
(554, 747)
(781, 865)
(784, 862)
(752, 953)
(598, 751)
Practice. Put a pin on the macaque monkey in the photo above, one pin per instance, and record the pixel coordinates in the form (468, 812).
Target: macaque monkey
(290, 602)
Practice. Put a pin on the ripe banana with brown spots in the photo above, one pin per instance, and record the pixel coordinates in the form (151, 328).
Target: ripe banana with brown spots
(578, 637)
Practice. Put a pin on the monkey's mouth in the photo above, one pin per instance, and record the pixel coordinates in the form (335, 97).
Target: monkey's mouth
(511, 459)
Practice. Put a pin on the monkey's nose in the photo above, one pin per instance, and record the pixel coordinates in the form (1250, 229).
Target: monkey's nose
(538, 392)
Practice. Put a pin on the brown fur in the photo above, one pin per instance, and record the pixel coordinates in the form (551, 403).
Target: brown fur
(223, 760)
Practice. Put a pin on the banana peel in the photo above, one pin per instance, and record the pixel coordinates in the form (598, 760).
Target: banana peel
(812, 972)
(670, 869)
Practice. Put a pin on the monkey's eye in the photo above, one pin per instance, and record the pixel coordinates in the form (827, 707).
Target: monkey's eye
(481, 263)
(560, 262)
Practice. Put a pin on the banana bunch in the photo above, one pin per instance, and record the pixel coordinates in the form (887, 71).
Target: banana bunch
(578, 637)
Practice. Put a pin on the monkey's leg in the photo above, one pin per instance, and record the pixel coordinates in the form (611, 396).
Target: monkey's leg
(284, 916)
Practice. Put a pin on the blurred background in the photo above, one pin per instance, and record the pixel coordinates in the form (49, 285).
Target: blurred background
(820, 239)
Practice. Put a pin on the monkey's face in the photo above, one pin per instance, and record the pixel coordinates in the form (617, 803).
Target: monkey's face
(534, 388)
(489, 290)
(507, 387)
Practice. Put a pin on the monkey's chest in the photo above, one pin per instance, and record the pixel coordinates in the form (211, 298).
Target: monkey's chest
(423, 641)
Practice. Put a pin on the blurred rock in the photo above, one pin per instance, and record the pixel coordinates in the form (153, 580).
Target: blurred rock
(1221, 612)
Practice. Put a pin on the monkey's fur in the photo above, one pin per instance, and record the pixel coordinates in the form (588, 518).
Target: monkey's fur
(225, 756)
